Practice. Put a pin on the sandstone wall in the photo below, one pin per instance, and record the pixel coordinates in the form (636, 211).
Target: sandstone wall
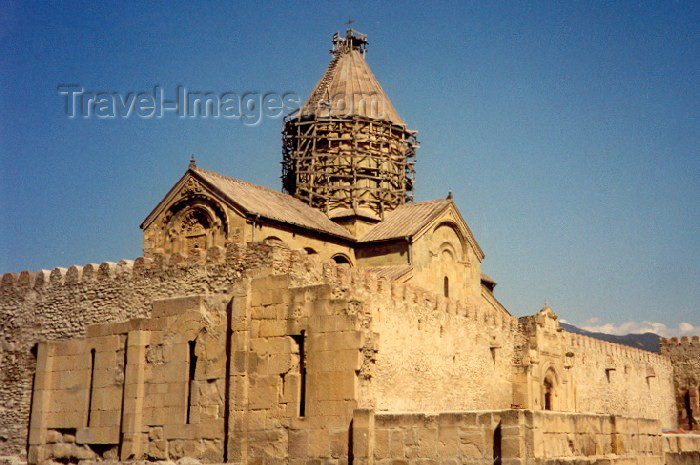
(681, 449)
(62, 303)
(685, 356)
(436, 354)
(509, 437)
(59, 304)
(620, 380)
(445, 252)
(467, 437)
(410, 350)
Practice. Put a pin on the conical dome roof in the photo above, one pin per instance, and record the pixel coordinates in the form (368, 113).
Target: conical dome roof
(347, 151)
(348, 87)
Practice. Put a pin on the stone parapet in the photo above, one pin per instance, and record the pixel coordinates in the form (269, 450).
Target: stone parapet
(507, 437)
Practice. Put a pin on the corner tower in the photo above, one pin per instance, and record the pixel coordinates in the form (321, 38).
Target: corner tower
(346, 151)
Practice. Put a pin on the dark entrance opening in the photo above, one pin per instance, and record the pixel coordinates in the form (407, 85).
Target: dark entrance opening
(497, 455)
(547, 394)
(688, 410)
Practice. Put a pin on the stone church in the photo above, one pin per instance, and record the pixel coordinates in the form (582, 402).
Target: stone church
(337, 322)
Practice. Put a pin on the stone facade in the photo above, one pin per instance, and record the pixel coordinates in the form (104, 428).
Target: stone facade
(685, 355)
(260, 329)
(291, 354)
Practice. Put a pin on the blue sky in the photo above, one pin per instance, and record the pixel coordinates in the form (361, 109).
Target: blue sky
(567, 131)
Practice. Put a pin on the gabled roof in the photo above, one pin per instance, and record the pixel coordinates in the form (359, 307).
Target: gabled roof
(257, 200)
(412, 219)
(348, 77)
(408, 220)
(405, 221)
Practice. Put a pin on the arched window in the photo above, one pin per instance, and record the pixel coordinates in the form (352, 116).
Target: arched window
(273, 240)
(446, 286)
(341, 259)
(310, 251)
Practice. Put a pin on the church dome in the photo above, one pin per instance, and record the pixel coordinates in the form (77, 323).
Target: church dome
(347, 151)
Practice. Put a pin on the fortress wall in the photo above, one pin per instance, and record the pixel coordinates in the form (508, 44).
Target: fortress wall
(420, 438)
(61, 303)
(435, 354)
(506, 436)
(681, 449)
(571, 436)
(616, 379)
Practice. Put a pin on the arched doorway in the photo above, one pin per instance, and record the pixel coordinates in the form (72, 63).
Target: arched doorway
(689, 414)
(549, 390)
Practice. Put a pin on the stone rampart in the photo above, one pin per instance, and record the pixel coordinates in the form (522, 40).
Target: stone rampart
(508, 437)
(616, 379)
(437, 354)
(681, 449)
(61, 303)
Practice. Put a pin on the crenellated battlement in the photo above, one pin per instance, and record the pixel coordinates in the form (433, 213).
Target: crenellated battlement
(617, 351)
(234, 260)
(234, 256)
(359, 282)
(693, 341)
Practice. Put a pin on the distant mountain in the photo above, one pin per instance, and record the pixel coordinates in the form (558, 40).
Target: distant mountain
(646, 341)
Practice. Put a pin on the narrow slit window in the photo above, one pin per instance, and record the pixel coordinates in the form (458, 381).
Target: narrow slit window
(446, 286)
(300, 340)
(192, 370)
(90, 387)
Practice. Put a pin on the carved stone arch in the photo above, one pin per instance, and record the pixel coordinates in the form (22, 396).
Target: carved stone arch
(195, 221)
(446, 249)
(460, 255)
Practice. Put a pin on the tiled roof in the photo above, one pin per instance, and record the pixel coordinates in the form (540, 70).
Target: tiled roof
(390, 272)
(348, 76)
(258, 200)
(406, 220)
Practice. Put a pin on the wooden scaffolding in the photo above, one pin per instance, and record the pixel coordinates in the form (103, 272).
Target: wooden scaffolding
(348, 166)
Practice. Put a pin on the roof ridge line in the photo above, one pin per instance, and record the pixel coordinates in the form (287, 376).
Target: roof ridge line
(229, 178)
